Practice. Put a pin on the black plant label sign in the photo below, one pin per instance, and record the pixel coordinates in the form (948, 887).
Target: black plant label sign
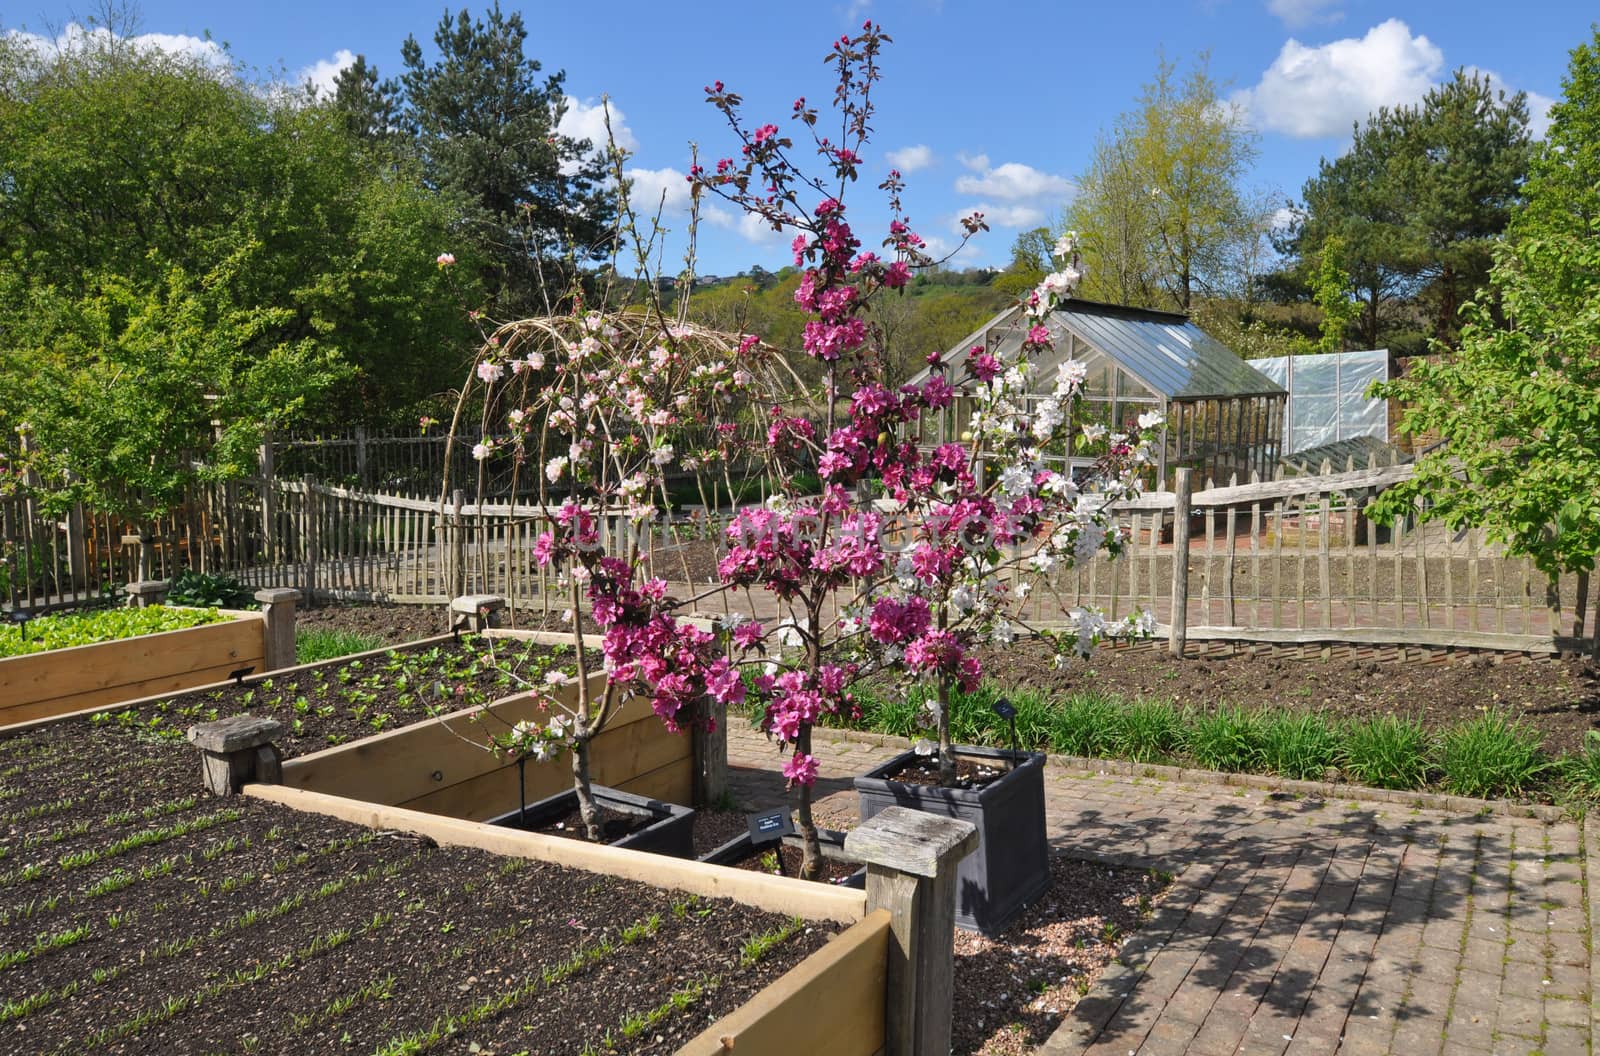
(1005, 709)
(769, 825)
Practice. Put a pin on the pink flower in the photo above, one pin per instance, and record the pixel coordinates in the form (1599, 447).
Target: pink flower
(765, 132)
(896, 275)
(445, 260)
(801, 769)
(983, 366)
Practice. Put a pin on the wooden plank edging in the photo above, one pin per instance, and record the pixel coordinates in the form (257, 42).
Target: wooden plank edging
(775, 894)
(832, 1002)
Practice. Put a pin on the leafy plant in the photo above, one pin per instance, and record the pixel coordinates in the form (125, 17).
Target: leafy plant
(1491, 756)
(1229, 739)
(1387, 752)
(1298, 745)
(1085, 724)
(106, 625)
(1147, 730)
(1581, 770)
(314, 644)
(210, 590)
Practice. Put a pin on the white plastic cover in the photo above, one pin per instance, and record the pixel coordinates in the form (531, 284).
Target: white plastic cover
(1328, 396)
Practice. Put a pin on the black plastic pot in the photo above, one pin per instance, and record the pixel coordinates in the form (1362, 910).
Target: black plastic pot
(671, 833)
(1011, 866)
(740, 849)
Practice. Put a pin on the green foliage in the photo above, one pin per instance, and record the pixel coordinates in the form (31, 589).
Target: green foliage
(1148, 731)
(1386, 752)
(1084, 724)
(210, 590)
(1581, 770)
(1418, 201)
(1230, 739)
(1519, 404)
(107, 625)
(315, 644)
(1298, 745)
(484, 121)
(1161, 208)
(1491, 756)
(1330, 289)
(182, 249)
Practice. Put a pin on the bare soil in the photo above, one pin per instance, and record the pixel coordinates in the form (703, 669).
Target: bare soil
(139, 915)
(1558, 697)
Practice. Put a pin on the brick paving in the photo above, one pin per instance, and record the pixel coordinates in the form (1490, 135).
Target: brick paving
(1302, 925)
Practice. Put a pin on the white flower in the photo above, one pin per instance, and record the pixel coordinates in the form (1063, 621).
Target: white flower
(517, 415)
(554, 468)
(1149, 420)
(490, 372)
(483, 450)
(924, 747)
(1043, 561)
(662, 455)
(789, 635)
(1066, 245)
(962, 598)
(534, 360)
(1093, 431)
(1070, 376)
(1003, 633)
(1015, 479)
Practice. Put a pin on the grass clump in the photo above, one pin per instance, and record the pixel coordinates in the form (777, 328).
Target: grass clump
(315, 644)
(1581, 769)
(1298, 745)
(1386, 752)
(1228, 739)
(1084, 724)
(1148, 731)
(1491, 756)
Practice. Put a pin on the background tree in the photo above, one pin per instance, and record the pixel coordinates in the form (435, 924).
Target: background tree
(485, 124)
(1519, 404)
(1330, 289)
(171, 233)
(1161, 208)
(371, 108)
(1418, 202)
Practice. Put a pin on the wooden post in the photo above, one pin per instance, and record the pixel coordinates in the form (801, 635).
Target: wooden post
(238, 750)
(277, 611)
(144, 593)
(476, 613)
(77, 549)
(269, 501)
(710, 736)
(911, 861)
(458, 546)
(312, 541)
(362, 478)
(1182, 490)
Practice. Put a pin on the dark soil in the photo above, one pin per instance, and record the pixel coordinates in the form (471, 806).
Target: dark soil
(614, 824)
(1558, 697)
(344, 701)
(155, 919)
(393, 624)
(713, 828)
(924, 770)
(834, 871)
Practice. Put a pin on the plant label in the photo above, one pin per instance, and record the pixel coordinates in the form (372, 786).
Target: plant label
(769, 826)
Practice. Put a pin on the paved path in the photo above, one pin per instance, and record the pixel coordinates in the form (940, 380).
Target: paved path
(1304, 926)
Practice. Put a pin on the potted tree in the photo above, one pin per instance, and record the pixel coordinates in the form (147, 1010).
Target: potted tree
(905, 562)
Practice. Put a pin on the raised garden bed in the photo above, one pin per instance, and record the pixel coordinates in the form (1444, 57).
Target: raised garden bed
(128, 654)
(138, 915)
(784, 857)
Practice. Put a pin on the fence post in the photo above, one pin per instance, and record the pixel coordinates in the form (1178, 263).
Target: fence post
(1179, 630)
(911, 861)
(710, 736)
(361, 456)
(277, 613)
(312, 543)
(269, 500)
(476, 613)
(77, 548)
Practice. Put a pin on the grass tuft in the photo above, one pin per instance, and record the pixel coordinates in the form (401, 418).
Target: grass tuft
(1491, 756)
(1298, 745)
(1387, 752)
(315, 644)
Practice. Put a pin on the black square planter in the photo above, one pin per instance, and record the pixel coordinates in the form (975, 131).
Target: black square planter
(1011, 866)
(741, 848)
(671, 833)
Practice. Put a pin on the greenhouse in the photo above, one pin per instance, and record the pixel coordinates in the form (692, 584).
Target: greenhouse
(1223, 417)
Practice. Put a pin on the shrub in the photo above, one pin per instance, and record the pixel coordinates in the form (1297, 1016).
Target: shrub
(314, 644)
(1148, 730)
(1386, 752)
(1298, 745)
(1228, 739)
(1491, 756)
(1084, 724)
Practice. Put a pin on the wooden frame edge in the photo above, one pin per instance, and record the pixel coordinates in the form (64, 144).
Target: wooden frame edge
(775, 894)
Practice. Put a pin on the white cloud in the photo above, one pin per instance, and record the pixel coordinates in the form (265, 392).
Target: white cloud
(588, 121)
(1297, 14)
(749, 226)
(975, 162)
(649, 186)
(1538, 105)
(75, 37)
(321, 75)
(1011, 182)
(911, 159)
(1312, 92)
(1021, 215)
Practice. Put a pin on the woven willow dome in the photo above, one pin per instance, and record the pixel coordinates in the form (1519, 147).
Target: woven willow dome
(1223, 417)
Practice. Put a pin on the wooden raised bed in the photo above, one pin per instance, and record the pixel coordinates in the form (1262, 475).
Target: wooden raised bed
(440, 765)
(61, 681)
(847, 977)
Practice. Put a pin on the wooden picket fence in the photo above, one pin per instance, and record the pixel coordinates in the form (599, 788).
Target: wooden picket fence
(1294, 560)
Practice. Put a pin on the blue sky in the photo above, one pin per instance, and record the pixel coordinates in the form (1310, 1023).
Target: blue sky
(991, 106)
